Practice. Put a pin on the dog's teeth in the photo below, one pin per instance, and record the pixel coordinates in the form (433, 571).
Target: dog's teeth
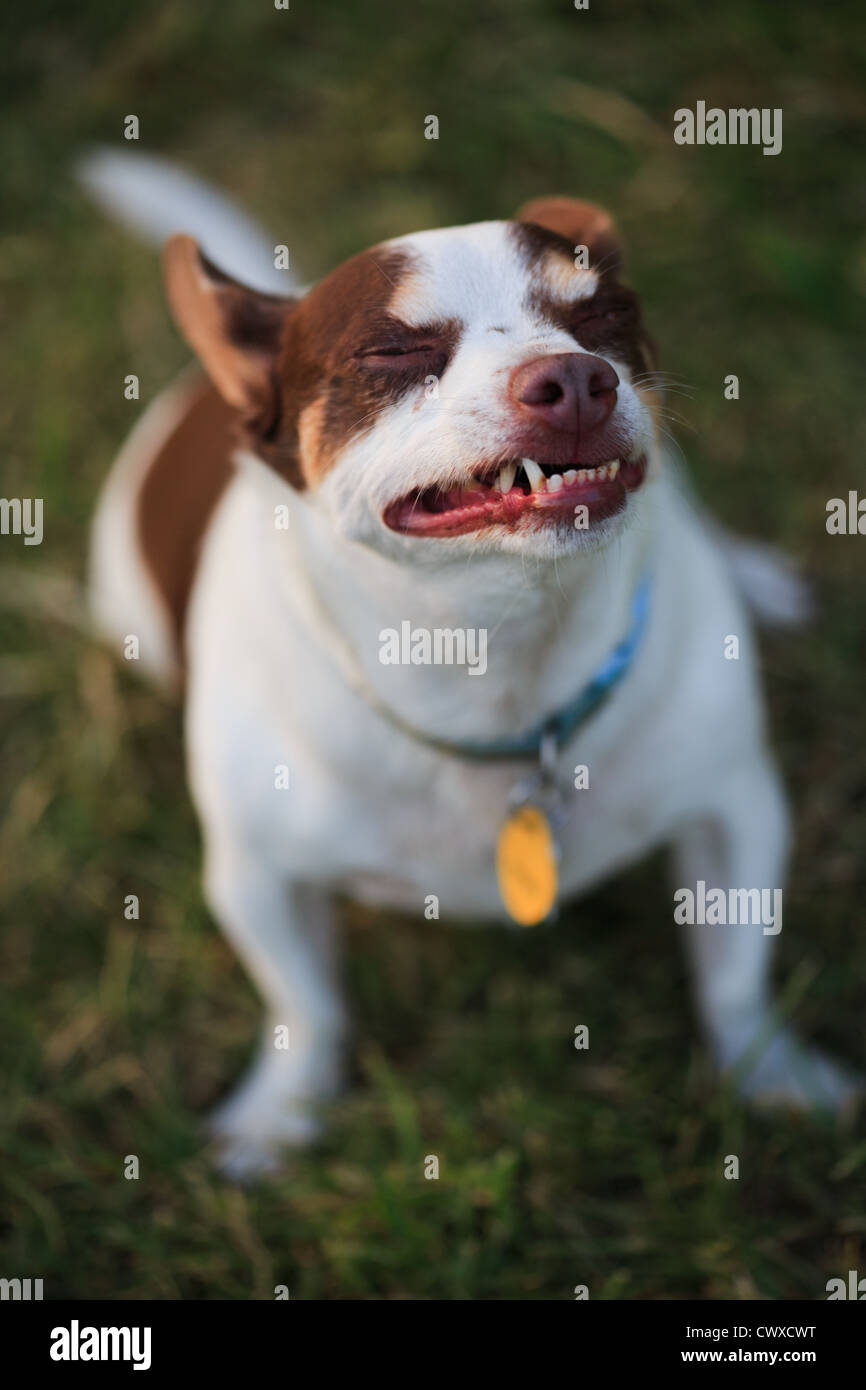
(535, 474)
(613, 468)
(570, 476)
(582, 474)
(506, 477)
(555, 483)
(601, 471)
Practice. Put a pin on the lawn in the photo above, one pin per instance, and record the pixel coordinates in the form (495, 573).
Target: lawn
(557, 1167)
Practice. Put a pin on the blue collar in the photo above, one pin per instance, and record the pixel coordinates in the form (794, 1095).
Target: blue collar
(558, 728)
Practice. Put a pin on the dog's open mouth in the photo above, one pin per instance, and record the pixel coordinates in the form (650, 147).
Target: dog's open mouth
(522, 491)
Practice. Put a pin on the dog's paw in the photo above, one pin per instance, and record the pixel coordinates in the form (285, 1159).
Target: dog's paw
(786, 1072)
(247, 1158)
(251, 1134)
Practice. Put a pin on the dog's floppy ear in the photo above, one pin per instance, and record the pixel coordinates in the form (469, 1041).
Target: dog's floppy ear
(235, 331)
(584, 224)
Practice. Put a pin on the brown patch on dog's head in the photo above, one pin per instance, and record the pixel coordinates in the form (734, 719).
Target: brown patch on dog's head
(346, 356)
(592, 303)
(306, 375)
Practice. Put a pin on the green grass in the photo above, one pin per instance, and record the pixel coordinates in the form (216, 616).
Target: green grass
(557, 1167)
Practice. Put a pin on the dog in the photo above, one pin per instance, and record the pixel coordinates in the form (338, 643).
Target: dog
(456, 431)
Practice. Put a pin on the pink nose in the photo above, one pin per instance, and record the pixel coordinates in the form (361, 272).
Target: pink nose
(571, 392)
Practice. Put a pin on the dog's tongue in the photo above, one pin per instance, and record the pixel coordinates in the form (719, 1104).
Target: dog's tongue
(458, 497)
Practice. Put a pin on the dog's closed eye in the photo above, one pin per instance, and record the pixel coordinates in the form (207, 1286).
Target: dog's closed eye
(615, 314)
(401, 350)
(391, 343)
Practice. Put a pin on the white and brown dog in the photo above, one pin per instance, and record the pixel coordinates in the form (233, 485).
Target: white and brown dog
(455, 430)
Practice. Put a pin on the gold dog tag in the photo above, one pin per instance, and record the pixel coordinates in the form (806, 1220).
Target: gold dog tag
(526, 865)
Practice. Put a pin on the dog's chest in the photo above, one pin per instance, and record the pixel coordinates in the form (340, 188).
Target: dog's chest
(329, 792)
(402, 827)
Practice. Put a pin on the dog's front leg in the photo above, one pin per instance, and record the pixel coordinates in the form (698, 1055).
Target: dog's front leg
(285, 934)
(743, 844)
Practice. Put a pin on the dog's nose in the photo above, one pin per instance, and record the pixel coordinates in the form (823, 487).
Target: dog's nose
(571, 392)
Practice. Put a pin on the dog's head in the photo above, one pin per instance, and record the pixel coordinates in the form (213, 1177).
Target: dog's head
(472, 387)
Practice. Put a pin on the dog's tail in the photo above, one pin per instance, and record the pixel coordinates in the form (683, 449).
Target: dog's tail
(157, 199)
